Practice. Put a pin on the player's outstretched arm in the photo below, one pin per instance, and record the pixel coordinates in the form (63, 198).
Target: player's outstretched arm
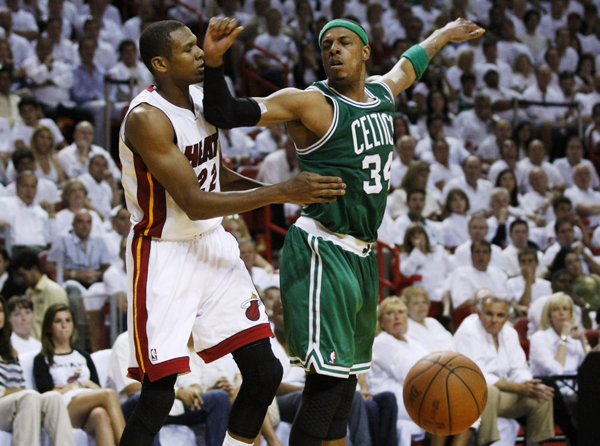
(149, 134)
(404, 73)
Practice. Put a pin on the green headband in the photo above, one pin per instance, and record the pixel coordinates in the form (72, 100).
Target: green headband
(345, 24)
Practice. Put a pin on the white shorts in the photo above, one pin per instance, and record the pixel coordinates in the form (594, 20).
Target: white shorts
(178, 288)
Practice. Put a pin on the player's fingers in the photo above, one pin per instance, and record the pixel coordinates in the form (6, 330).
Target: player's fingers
(322, 192)
(230, 25)
(322, 179)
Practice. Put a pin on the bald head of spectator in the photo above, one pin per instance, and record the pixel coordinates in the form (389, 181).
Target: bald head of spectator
(574, 151)
(481, 293)
(481, 254)
(538, 180)
(536, 152)
(483, 106)
(582, 176)
(82, 224)
(83, 135)
(465, 60)
(472, 170)
(405, 146)
(543, 76)
(502, 130)
(478, 228)
(499, 199)
(27, 187)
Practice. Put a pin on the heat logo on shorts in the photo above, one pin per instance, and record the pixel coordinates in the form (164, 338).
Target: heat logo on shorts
(332, 357)
(153, 355)
(251, 307)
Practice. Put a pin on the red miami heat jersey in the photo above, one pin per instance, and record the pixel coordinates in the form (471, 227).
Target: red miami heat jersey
(154, 213)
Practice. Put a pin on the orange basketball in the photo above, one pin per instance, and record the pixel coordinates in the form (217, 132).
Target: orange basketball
(445, 393)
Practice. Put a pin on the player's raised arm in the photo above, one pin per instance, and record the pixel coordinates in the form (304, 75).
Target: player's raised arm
(414, 61)
(150, 133)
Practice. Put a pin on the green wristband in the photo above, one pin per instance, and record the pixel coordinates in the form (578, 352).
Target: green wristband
(419, 59)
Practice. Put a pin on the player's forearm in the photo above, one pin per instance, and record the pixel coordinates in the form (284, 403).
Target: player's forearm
(434, 42)
(233, 181)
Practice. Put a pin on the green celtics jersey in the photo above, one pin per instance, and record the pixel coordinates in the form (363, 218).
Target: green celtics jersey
(357, 148)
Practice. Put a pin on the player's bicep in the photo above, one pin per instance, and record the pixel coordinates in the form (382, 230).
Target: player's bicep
(283, 106)
(151, 134)
(400, 77)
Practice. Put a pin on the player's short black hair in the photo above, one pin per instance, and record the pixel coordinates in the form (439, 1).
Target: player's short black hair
(156, 41)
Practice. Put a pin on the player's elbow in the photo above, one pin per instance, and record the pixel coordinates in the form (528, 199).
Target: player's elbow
(219, 116)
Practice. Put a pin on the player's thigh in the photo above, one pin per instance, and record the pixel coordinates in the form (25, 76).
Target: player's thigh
(366, 317)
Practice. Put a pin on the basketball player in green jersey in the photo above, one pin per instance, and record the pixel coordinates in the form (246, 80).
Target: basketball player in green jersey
(329, 278)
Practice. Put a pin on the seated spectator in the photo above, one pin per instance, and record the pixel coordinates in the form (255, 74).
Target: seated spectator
(24, 23)
(88, 87)
(393, 357)
(500, 218)
(455, 228)
(24, 412)
(269, 296)
(536, 154)
(478, 230)
(75, 158)
(509, 155)
(20, 314)
(108, 18)
(63, 49)
(508, 180)
(523, 75)
(261, 278)
(128, 67)
(46, 159)
(415, 178)
(527, 287)
(535, 41)
(586, 287)
(105, 57)
(31, 115)
(20, 47)
(476, 124)
(519, 240)
(28, 222)
(405, 149)
(512, 392)
(9, 102)
(437, 104)
(52, 79)
(46, 194)
(42, 291)
(103, 190)
(585, 199)
(120, 224)
(563, 208)
(419, 256)
(415, 203)
(466, 280)
(435, 131)
(279, 165)
(70, 371)
(74, 197)
(10, 285)
(565, 238)
(567, 165)
(489, 149)
(559, 348)
(270, 139)
(538, 201)
(477, 189)
(441, 169)
(65, 10)
(426, 330)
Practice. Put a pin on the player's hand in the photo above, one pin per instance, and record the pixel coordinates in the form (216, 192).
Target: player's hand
(461, 30)
(219, 37)
(309, 187)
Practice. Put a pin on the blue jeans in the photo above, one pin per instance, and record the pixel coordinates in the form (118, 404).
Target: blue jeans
(214, 413)
(382, 411)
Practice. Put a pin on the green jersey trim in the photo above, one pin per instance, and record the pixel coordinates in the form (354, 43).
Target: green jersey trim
(352, 102)
(387, 87)
(330, 131)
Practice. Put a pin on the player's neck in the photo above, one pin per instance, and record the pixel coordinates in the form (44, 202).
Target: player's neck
(176, 95)
(352, 90)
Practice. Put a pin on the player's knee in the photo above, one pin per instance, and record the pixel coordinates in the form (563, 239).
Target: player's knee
(339, 421)
(155, 402)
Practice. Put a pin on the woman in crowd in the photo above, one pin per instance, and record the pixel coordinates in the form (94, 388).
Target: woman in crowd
(455, 227)
(393, 357)
(559, 348)
(23, 412)
(437, 103)
(522, 136)
(70, 371)
(523, 75)
(74, 196)
(508, 180)
(419, 257)
(584, 77)
(426, 330)
(42, 146)
(401, 127)
(19, 310)
(416, 177)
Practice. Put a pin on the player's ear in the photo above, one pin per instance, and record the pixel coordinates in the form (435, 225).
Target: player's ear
(159, 63)
(366, 52)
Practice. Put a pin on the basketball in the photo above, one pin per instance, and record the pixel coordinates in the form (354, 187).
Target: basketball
(445, 392)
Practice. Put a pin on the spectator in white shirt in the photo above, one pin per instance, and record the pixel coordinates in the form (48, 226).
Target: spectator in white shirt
(566, 166)
(467, 279)
(478, 230)
(559, 348)
(477, 189)
(536, 154)
(454, 230)
(562, 207)
(565, 238)
(535, 41)
(509, 157)
(489, 149)
(417, 177)
(75, 158)
(519, 236)
(19, 310)
(31, 114)
(426, 330)
(500, 219)
(538, 201)
(46, 159)
(105, 56)
(569, 59)
(270, 139)
(585, 199)
(476, 124)
(419, 256)
(555, 20)
(415, 204)
(103, 191)
(512, 391)
(442, 170)
(527, 287)
(20, 47)
(24, 23)
(62, 48)
(435, 131)
(405, 148)
(28, 221)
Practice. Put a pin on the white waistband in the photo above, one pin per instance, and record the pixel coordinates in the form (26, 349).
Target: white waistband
(344, 241)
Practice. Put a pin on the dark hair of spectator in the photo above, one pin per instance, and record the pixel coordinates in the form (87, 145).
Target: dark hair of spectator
(456, 191)
(467, 76)
(18, 302)
(125, 43)
(589, 57)
(47, 341)
(445, 111)
(413, 229)
(560, 223)
(561, 199)
(409, 177)
(6, 349)
(556, 275)
(565, 75)
(516, 222)
(401, 117)
(91, 19)
(28, 100)
(416, 190)
(27, 259)
(514, 193)
(435, 117)
(7, 68)
(4, 254)
(529, 13)
(481, 243)
(156, 41)
(527, 251)
(21, 154)
(558, 263)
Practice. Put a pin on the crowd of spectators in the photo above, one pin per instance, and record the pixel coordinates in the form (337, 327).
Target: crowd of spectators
(494, 202)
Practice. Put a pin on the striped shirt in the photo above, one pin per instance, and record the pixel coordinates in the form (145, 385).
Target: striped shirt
(11, 375)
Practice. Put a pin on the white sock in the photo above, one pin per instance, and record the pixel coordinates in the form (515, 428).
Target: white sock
(230, 441)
